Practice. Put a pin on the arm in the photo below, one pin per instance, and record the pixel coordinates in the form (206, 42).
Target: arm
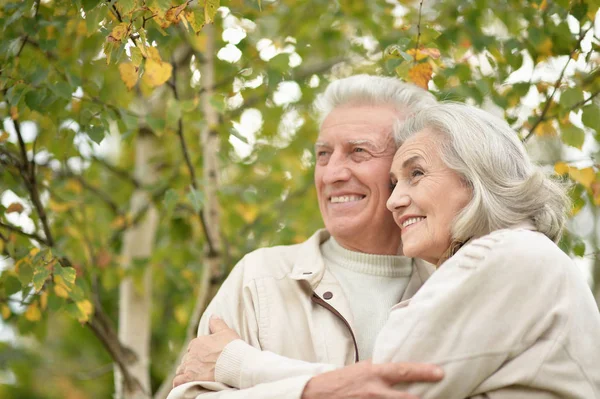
(236, 304)
(474, 314)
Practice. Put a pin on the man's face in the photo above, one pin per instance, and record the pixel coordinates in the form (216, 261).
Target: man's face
(354, 153)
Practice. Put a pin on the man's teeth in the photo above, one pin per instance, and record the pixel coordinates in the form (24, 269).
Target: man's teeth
(346, 198)
(410, 221)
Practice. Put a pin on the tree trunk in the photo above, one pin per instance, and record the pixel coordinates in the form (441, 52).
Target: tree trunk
(135, 301)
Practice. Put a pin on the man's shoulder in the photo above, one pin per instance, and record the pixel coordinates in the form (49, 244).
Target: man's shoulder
(279, 261)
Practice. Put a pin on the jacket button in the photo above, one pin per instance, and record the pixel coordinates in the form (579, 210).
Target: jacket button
(328, 295)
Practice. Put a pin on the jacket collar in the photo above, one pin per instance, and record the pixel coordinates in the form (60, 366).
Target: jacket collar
(309, 265)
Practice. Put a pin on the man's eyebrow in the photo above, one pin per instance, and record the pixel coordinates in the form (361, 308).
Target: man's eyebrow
(322, 144)
(368, 143)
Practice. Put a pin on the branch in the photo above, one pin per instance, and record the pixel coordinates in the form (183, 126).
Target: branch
(188, 162)
(556, 86)
(31, 183)
(20, 232)
(118, 172)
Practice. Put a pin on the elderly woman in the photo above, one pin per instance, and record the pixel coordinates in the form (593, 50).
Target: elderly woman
(507, 314)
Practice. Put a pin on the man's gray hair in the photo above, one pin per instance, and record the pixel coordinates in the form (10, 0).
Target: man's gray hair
(373, 90)
(507, 187)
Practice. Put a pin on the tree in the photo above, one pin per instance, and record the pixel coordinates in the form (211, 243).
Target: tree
(148, 145)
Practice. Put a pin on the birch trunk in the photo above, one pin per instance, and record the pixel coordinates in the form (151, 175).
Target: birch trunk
(135, 300)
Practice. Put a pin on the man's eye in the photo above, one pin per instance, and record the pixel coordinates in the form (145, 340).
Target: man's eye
(321, 153)
(359, 149)
(393, 184)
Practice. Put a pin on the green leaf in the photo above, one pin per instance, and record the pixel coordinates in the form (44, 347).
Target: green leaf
(210, 9)
(40, 275)
(14, 94)
(579, 248)
(96, 133)
(170, 200)
(591, 117)
(173, 113)
(25, 274)
(11, 285)
(280, 62)
(35, 98)
(570, 97)
(196, 198)
(93, 19)
(126, 6)
(62, 90)
(67, 273)
(572, 135)
(136, 56)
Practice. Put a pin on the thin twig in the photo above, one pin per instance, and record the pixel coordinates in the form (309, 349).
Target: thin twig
(188, 162)
(556, 86)
(418, 31)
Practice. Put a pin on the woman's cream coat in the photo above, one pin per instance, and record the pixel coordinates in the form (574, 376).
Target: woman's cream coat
(508, 316)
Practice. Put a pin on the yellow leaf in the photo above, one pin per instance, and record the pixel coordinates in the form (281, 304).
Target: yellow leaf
(181, 315)
(157, 73)
(247, 212)
(423, 53)
(33, 312)
(546, 129)
(14, 113)
(3, 136)
(85, 307)
(61, 291)
(561, 168)
(420, 74)
(44, 300)
(545, 48)
(129, 74)
(59, 207)
(153, 54)
(210, 10)
(584, 176)
(118, 32)
(5, 310)
(73, 186)
(15, 207)
(174, 14)
(75, 105)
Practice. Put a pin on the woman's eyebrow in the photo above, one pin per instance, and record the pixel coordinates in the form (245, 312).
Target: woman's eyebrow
(411, 161)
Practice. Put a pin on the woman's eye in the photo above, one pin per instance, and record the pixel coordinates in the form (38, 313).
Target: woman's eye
(393, 185)
(416, 173)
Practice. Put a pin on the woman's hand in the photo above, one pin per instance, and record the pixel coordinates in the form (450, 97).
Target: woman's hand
(367, 380)
(200, 361)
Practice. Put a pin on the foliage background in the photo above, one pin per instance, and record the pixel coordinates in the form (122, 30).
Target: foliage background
(114, 110)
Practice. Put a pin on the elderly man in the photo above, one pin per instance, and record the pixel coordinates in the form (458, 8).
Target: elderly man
(312, 308)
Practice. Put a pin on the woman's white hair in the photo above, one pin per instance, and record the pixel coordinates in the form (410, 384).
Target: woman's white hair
(507, 188)
(373, 90)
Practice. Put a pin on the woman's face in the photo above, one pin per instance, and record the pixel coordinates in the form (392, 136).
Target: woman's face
(426, 198)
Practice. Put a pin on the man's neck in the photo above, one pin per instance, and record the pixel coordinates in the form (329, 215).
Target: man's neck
(371, 246)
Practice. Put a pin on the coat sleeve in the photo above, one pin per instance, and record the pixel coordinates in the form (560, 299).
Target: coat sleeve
(243, 364)
(483, 307)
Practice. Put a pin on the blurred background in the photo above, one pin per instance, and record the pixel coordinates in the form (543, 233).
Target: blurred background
(146, 145)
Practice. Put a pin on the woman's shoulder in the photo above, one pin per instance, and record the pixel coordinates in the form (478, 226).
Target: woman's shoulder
(515, 247)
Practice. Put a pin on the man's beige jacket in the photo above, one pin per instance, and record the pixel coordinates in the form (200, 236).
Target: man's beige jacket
(295, 318)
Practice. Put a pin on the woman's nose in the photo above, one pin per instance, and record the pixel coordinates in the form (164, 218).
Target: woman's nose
(398, 200)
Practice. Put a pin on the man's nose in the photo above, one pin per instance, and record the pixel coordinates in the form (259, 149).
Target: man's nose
(337, 170)
(398, 200)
